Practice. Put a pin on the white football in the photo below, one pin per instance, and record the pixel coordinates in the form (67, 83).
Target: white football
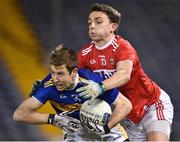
(96, 113)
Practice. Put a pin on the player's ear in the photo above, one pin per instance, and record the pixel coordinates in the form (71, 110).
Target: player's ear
(74, 71)
(114, 26)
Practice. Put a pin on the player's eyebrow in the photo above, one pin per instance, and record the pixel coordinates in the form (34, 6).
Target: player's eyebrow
(96, 18)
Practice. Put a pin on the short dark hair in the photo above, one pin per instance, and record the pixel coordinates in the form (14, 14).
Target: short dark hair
(63, 56)
(112, 13)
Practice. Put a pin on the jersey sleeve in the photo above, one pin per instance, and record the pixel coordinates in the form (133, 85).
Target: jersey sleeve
(110, 96)
(89, 75)
(81, 59)
(125, 51)
(42, 93)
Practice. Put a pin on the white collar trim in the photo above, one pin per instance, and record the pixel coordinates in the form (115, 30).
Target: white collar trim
(106, 45)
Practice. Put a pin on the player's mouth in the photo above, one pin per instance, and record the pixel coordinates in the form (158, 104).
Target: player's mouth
(93, 34)
(60, 86)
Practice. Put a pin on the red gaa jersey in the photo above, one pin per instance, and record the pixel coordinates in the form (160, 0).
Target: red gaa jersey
(140, 90)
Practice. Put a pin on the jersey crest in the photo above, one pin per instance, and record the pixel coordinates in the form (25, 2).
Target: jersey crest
(48, 83)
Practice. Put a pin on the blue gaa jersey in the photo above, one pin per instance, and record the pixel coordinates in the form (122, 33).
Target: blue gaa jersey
(68, 100)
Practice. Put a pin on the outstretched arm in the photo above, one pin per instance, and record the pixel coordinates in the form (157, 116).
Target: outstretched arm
(26, 112)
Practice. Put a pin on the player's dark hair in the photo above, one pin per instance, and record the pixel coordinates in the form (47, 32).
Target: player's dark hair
(64, 56)
(113, 14)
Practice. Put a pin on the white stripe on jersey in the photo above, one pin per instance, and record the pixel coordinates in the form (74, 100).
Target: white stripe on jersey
(105, 73)
(114, 44)
(87, 50)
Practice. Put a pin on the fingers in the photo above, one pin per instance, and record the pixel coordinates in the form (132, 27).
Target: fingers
(36, 83)
(82, 89)
(84, 81)
(91, 100)
(85, 95)
(76, 121)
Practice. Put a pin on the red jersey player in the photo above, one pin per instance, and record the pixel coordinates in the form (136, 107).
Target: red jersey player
(117, 61)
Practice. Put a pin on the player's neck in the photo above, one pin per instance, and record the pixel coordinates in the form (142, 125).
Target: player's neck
(104, 43)
(74, 84)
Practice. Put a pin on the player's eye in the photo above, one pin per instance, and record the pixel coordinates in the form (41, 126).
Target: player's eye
(60, 73)
(89, 23)
(99, 22)
(52, 73)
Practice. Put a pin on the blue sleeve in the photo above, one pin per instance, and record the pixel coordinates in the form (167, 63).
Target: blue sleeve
(42, 93)
(89, 75)
(110, 96)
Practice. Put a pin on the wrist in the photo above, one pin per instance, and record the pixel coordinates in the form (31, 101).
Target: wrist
(51, 118)
(106, 129)
(102, 87)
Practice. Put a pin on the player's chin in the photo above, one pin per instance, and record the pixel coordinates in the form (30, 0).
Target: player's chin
(60, 88)
(95, 38)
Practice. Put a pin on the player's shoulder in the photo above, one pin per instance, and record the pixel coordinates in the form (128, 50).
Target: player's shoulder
(43, 92)
(47, 81)
(83, 72)
(88, 74)
(120, 40)
(123, 43)
(86, 49)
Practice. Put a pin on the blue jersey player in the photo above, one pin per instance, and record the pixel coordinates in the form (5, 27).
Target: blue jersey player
(59, 87)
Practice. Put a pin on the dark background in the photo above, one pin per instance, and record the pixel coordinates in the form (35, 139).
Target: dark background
(151, 26)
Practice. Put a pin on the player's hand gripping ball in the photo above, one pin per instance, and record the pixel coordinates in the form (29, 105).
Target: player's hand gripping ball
(95, 116)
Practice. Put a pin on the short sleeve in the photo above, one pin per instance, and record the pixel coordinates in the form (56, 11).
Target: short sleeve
(110, 96)
(80, 60)
(125, 51)
(41, 95)
(42, 92)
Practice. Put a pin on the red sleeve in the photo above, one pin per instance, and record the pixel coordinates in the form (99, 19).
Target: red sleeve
(80, 61)
(81, 58)
(125, 51)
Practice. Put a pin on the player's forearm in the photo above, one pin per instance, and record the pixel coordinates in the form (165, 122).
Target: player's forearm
(122, 108)
(118, 79)
(31, 117)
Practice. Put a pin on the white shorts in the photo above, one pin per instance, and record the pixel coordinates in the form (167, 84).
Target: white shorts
(158, 118)
(82, 135)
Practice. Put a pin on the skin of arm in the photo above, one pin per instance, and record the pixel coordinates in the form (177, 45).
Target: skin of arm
(27, 113)
(121, 76)
(122, 108)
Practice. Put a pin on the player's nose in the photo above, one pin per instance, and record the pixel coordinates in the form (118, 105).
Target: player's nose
(92, 25)
(55, 78)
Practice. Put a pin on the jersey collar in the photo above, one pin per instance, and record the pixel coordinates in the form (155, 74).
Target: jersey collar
(106, 45)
